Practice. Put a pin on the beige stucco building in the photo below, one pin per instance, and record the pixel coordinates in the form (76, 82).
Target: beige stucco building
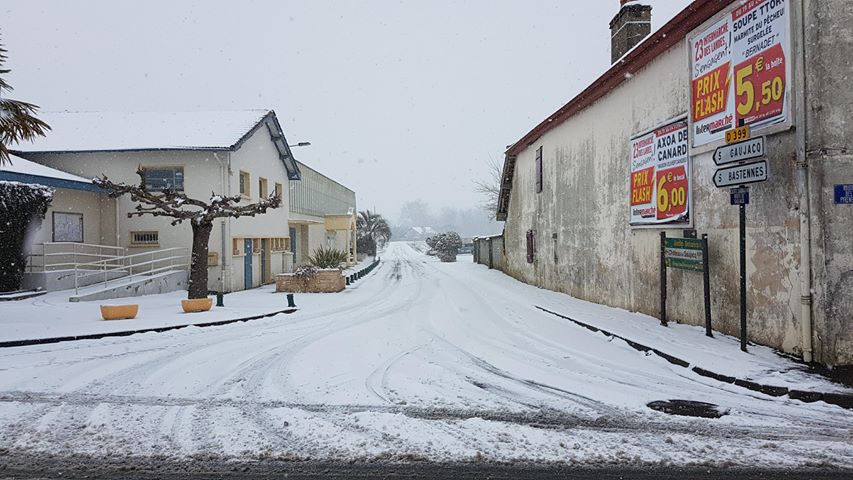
(322, 214)
(569, 227)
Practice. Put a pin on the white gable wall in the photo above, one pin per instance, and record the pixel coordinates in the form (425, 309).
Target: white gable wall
(259, 157)
(205, 172)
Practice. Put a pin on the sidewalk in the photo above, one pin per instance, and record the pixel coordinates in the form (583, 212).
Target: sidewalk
(53, 316)
(760, 369)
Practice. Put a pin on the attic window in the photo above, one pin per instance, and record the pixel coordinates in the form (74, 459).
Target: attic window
(158, 179)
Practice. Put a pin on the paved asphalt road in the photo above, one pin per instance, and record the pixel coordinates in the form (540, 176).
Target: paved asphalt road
(420, 362)
(81, 467)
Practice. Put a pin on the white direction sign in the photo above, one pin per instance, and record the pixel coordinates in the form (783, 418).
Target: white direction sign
(741, 174)
(740, 151)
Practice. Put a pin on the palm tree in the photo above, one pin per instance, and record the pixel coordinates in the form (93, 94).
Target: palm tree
(17, 119)
(372, 228)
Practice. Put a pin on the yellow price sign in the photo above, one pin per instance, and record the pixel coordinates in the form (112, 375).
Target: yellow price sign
(760, 86)
(737, 134)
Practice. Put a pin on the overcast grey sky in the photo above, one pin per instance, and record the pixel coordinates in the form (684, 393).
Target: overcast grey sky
(400, 99)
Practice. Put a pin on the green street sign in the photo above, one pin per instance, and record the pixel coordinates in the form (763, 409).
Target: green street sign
(684, 254)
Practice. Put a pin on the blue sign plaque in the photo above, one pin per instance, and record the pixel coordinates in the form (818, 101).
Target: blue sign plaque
(740, 196)
(844, 194)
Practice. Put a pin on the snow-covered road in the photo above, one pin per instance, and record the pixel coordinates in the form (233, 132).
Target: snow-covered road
(420, 360)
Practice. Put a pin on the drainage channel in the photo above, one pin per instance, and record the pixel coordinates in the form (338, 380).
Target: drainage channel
(688, 408)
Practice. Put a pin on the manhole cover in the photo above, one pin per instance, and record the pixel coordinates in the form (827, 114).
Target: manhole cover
(688, 408)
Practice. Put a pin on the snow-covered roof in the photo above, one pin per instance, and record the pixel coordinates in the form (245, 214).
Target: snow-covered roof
(74, 132)
(19, 165)
(25, 171)
(118, 131)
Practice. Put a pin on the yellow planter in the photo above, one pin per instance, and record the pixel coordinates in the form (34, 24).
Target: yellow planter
(196, 305)
(119, 312)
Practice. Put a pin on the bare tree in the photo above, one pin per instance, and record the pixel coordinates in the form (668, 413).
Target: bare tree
(180, 207)
(490, 186)
(17, 119)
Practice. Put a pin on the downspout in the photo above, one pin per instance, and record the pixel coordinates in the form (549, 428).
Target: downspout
(802, 179)
(117, 210)
(224, 189)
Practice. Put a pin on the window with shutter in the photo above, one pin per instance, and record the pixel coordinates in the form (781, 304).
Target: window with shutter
(530, 246)
(539, 170)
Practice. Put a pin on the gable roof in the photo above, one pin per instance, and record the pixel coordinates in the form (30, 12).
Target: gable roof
(77, 132)
(25, 171)
(674, 32)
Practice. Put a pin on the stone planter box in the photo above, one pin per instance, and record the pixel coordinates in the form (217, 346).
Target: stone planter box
(325, 281)
(119, 312)
(196, 305)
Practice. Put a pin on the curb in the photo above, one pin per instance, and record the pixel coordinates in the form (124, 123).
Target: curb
(32, 294)
(842, 400)
(126, 333)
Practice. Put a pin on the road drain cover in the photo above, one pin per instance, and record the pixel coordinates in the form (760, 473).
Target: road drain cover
(688, 408)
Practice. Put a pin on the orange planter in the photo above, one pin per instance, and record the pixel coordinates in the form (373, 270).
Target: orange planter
(196, 305)
(119, 312)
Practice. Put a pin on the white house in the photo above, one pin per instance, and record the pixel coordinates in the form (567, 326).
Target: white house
(199, 153)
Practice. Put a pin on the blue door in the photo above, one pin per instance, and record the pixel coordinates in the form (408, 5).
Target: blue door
(247, 263)
(264, 262)
(293, 243)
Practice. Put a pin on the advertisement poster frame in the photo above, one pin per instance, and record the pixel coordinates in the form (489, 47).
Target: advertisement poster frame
(765, 127)
(689, 174)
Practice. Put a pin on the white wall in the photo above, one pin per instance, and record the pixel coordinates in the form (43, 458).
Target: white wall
(602, 259)
(91, 205)
(205, 172)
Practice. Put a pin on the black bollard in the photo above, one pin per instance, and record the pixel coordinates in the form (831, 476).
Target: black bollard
(347, 280)
(290, 302)
(220, 299)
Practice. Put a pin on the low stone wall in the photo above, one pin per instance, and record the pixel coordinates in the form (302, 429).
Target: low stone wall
(325, 281)
(489, 251)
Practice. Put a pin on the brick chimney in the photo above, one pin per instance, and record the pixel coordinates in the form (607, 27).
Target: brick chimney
(628, 28)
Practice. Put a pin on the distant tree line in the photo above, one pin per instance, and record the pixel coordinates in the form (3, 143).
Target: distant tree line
(467, 222)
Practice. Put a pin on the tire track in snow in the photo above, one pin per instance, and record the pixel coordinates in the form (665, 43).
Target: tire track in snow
(256, 382)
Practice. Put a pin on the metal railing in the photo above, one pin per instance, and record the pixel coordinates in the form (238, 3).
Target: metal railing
(69, 255)
(131, 266)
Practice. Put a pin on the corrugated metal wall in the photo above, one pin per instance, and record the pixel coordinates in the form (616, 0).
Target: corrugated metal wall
(319, 195)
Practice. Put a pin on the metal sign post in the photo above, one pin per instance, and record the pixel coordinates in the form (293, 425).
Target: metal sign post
(706, 277)
(689, 254)
(663, 278)
(739, 176)
(742, 237)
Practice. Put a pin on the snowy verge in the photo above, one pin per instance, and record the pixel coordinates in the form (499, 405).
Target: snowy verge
(51, 315)
(720, 354)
